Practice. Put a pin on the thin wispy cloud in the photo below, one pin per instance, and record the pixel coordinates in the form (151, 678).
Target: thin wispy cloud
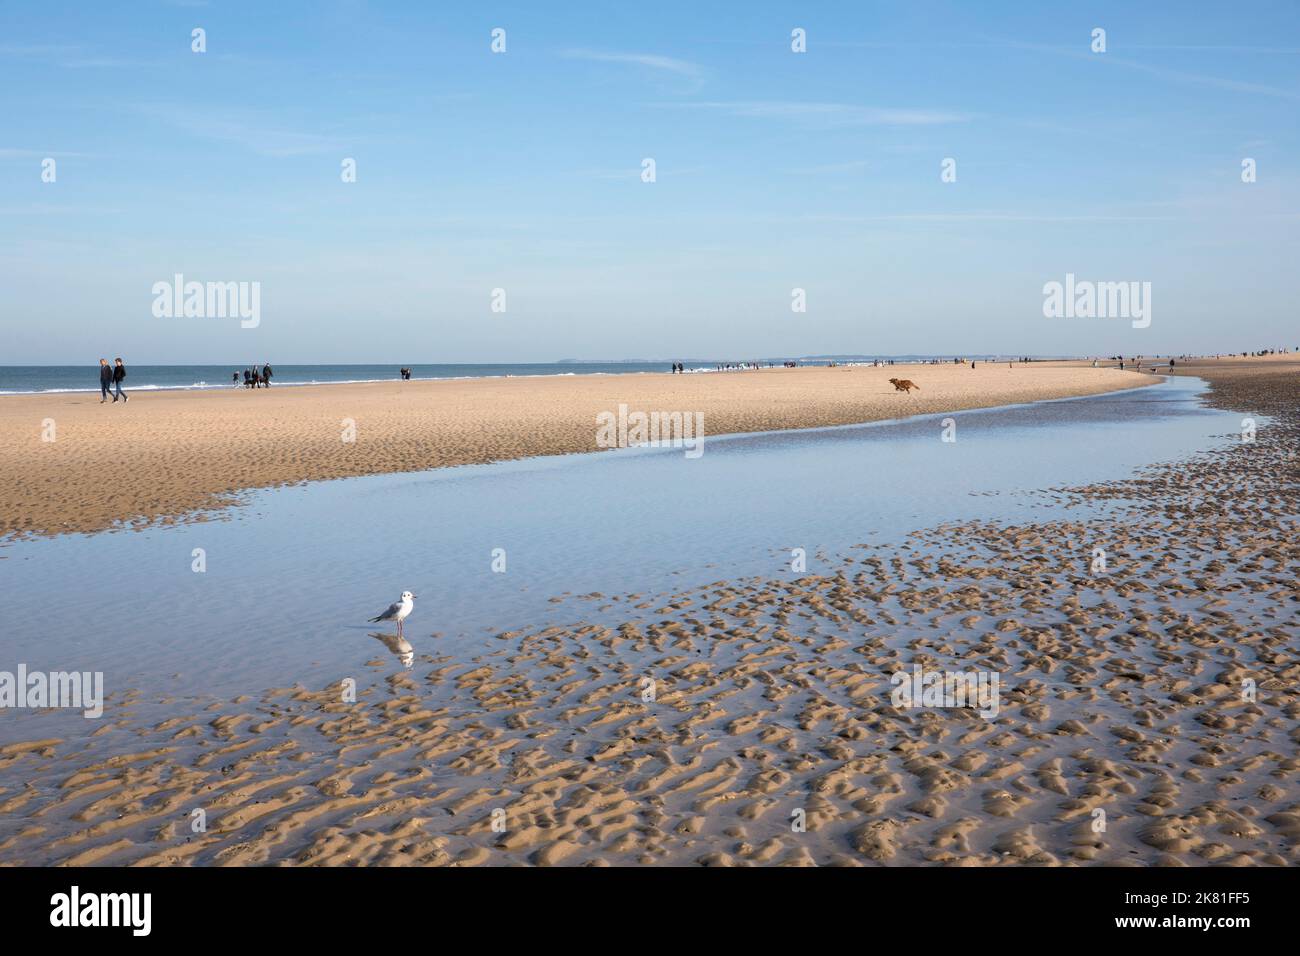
(999, 44)
(1218, 82)
(35, 50)
(622, 173)
(69, 56)
(100, 62)
(1165, 73)
(840, 114)
(9, 152)
(40, 210)
(653, 61)
(634, 172)
(1191, 209)
(1216, 48)
(983, 217)
(249, 131)
(831, 168)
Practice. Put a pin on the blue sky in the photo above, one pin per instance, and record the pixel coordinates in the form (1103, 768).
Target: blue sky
(521, 171)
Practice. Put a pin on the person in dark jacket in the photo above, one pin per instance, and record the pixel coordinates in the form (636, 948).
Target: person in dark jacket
(248, 379)
(234, 379)
(119, 373)
(266, 374)
(105, 380)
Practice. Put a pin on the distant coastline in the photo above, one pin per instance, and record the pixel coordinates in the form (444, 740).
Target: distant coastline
(53, 379)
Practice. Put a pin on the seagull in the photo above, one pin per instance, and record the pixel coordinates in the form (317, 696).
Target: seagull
(398, 612)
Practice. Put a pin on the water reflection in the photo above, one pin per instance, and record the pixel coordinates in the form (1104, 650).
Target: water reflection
(398, 646)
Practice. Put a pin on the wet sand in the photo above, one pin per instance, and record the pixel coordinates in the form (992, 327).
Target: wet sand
(166, 455)
(1148, 712)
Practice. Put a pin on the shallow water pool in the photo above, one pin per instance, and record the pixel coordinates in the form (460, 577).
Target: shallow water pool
(292, 576)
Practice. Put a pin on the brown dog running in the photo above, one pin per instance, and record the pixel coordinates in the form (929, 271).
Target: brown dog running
(904, 385)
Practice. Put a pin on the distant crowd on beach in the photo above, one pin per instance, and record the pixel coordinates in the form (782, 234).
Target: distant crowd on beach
(254, 377)
(110, 380)
(1154, 363)
(680, 367)
(111, 376)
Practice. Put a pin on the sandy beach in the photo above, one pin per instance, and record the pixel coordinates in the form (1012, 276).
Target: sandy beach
(643, 438)
(165, 454)
(1148, 712)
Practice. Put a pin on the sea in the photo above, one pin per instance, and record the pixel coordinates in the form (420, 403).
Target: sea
(31, 379)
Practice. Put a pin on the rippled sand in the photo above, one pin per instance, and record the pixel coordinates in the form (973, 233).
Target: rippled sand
(1148, 712)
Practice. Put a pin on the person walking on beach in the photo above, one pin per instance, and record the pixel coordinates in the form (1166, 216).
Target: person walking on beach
(119, 373)
(266, 373)
(248, 379)
(105, 381)
(234, 379)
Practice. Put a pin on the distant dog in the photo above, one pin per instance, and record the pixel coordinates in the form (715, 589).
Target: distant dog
(904, 385)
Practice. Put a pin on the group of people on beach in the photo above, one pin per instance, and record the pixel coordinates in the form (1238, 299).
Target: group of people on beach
(679, 368)
(405, 373)
(110, 380)
(254, 377)
(1136, 362)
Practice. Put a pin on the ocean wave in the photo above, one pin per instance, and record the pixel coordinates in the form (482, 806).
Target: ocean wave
(280, 383)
